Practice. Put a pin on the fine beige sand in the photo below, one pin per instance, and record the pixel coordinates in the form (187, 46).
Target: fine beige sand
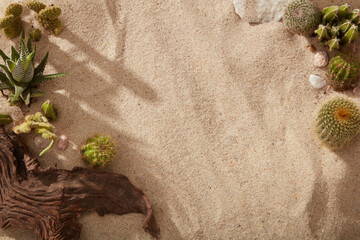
(212, 119)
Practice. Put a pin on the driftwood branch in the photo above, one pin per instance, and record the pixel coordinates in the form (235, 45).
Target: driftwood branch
(49, 200)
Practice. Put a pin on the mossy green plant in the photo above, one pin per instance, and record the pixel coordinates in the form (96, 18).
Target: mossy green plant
(339, 26)
(337, 122)
(48, 17)
(302, 17)
(20, 75)
(41, 125)
(344, 70)
(98, 151)
(11, 23)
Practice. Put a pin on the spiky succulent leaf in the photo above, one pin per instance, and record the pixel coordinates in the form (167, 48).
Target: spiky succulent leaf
(34, 92)
(3, 55)
(14, 55)
(29, 74)
(7, 73)
(41, 67)
(25, 96)
(5, 80)
(29, 59)
(19, 72)
(44, 78)
(18, 92)
(29, 45)
(10, 64)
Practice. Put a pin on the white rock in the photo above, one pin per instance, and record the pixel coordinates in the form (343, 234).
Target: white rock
(63, 143)
(321, 59)
(260, 11)
(317, 82)
(41, 142)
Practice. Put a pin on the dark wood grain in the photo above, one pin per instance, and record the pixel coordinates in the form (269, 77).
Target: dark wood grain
(48, 200)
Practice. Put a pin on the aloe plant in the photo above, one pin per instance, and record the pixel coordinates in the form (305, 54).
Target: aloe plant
(20, 76)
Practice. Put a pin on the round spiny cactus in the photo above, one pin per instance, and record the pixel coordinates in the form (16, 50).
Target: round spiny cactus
(14, 9)
(302, 17)
(50, 12)
(98, 151)
(344, 70)
(337, 122)
(35, 5)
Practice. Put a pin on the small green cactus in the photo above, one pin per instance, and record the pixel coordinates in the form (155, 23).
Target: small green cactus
(98, 151)
(337, 123)
(302, 17)
(339, 25)
(11, 23)
(41, 125)
(5, 119)
(48, 17)
(344, 70)
(35, 34)
(49, 110)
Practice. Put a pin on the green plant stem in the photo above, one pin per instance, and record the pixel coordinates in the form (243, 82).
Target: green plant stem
(46, 149)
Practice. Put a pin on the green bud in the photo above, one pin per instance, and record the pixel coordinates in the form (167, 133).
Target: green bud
(35, 34)
(354, 17)
(343, 10)
(330, 14)
(350, 35)
(322, 32)
(335, 31)
(49, 110)
(333, 43)
(345, 25)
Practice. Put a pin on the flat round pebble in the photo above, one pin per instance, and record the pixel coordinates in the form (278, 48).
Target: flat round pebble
(317, 82)
(321, 59)
(63, 143)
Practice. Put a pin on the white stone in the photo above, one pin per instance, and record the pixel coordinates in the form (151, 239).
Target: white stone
(260, 11)
(317, 82)
(321, 59)
(63, 143)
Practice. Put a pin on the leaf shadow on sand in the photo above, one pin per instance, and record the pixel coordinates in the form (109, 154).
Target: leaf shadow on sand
(103, 106)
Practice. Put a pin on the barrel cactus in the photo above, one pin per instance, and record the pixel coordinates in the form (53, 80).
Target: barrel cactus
(11, 23)
(48, 17)
(337, 123)
(302, 17)
(98, 151)
(344, 70)
(339, 26)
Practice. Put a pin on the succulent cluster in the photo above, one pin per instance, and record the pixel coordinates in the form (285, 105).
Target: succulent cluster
(20, 76)
(48, 17)
(337, 122)
(339, 26)
(344, 71)
(98, 151)
(302, 17)
(11, 23)
(41, 125)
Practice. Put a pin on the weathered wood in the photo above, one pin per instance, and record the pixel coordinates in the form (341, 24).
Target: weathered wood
(49, 200)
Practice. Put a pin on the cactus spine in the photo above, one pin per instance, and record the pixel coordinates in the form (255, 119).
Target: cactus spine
(339, 25)
(98, 151)
(344, 70)
(301, 17)
(11, 23)
(48, 17)
(337, 122)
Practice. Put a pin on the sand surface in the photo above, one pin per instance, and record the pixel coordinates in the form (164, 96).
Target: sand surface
(212, 119)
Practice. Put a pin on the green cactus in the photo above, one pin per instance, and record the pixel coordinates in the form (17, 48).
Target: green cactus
(35, 34)
(41, 125)
(98, 151)
(48, 17)
(20, 74)
(339, 25)
(35, 5)
(344, 70)
(337, 123)
(5, 119)
(301, 17)
(49, 110)
(11, 23)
